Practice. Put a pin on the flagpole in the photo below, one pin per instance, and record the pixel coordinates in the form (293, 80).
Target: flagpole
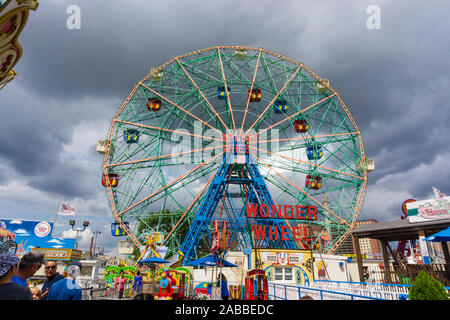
(56, 216)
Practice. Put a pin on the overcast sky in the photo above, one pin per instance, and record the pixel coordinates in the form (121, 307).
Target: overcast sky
(394, 81)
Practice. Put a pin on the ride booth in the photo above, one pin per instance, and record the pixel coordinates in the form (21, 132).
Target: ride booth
(279, 266)
(256, 285)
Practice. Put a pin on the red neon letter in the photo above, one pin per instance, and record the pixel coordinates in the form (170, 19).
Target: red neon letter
(271, 232)
(300, 212)
(260, 232)
(252, 209)
(291, 216)
(261, 211)
(284, 233)
(277, 210)
(312, 212)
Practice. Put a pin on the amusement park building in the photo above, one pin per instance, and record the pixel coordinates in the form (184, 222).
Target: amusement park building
(369, 247)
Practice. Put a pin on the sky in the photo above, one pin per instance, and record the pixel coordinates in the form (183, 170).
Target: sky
(70, 83)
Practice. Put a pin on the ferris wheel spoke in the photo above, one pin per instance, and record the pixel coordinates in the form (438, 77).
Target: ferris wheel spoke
(276, 97)
(168, 185)
(308, 163)
(172, 155)
(202, 94)
(176, 105)
(301, 190)
(251, 89)
(167, 130)
(295, 114)
(226, 88)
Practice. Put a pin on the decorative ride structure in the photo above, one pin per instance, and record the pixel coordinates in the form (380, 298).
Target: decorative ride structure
(13, 17)
(238, 135)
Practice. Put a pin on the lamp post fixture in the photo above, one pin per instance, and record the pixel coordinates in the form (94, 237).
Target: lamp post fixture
(96, 233)
(72, 224)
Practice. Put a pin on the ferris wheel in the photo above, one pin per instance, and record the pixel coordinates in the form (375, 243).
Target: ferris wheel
(213, 131)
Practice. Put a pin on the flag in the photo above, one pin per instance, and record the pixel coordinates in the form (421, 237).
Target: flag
(438, 195)
(65, 209)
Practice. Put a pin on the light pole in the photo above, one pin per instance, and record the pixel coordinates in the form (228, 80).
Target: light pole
(96, 233)
(72, 224)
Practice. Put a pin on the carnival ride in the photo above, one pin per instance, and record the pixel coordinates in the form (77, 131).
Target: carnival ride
(212, 131)
(13, 17)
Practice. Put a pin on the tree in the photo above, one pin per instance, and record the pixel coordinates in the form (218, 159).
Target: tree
(425, 287)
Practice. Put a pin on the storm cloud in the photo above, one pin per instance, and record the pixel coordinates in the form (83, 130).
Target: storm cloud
(70, 83)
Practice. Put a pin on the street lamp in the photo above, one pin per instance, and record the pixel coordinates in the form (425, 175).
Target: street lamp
(72, 224)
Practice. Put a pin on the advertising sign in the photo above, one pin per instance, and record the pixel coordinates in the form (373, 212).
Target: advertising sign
(429, 210)
(34, 234)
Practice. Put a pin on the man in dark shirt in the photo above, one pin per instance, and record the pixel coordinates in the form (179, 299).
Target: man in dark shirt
(29, 264)
(8, 289)
(52, 276)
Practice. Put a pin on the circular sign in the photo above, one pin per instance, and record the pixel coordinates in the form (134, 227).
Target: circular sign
(405, 211)
(42, 229)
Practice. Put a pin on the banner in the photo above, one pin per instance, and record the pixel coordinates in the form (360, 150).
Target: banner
(65, 209)
(33, 234)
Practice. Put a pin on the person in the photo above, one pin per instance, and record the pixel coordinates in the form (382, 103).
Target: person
(52, 277)
(8, 289)
(67, 288)
(144, 296)
(36, 293)
(306, 298)
(137, 284)
(223, 284)
(120, 283)
(29, 264)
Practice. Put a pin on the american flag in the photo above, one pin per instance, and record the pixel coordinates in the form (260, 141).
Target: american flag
(65, 209)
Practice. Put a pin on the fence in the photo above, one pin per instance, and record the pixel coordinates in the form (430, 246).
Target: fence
(290, 292)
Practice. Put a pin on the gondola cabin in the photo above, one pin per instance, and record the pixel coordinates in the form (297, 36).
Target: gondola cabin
(112, 180)
(314, 152)
(117, 230)
(313, 182)
(280, 106)
(240, 54)
(301, 126)
(222, 93)
(321, 88)
(154, 104)
(131, 136)
(255, 95)
(157, 76)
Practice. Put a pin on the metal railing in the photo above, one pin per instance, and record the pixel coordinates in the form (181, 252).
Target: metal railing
(279, 291)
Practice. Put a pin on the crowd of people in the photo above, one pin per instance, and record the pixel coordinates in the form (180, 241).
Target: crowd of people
(14, 273)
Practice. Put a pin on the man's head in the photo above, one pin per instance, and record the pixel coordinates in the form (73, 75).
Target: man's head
(30, 263)
(8, 266)
(50, 268)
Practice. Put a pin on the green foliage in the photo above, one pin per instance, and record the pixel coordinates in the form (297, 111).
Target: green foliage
(425, 287)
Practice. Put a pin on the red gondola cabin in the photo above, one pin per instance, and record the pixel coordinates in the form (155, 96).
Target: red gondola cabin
(312, 182)
(113, 180)
(154, 104)
(255, 95)
(301, 126)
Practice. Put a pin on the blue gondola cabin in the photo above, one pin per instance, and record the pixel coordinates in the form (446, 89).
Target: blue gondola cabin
(312, 182)
(255, 95)
(117, 230)
(112, 180)
(314, 152)
(280, 106)
(131, 136)
(154, 104)
(222, 93)
(301, 126)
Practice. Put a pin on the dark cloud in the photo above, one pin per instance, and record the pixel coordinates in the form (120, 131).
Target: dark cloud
(393, 80)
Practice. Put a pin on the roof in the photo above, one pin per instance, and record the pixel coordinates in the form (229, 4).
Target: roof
(399, 229)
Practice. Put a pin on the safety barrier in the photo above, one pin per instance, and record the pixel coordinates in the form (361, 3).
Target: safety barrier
(387, 291)
(279, 291)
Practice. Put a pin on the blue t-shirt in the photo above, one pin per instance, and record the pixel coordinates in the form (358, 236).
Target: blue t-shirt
(20, 281)
(48, 283)
(65, 289)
